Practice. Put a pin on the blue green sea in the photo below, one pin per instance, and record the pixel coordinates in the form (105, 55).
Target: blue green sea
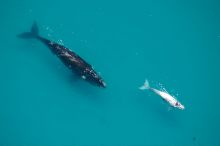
(174, 44)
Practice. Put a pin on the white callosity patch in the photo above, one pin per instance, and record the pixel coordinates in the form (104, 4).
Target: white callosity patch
(57, 47)
(68, 55)
(83, 77)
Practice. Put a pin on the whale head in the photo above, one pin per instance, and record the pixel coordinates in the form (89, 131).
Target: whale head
(179, 105)
(92, 77)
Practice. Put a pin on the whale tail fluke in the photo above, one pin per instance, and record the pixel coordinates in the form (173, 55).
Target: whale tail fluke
(145, 86)
(34, 33)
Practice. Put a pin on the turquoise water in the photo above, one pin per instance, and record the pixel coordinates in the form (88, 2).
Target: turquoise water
(174, 44)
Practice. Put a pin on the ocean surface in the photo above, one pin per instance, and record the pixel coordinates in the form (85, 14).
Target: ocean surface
(173, 44)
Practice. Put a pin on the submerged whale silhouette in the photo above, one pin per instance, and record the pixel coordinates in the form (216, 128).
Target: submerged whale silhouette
(68, 57)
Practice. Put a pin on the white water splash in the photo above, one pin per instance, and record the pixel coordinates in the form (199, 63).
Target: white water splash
(60, 42)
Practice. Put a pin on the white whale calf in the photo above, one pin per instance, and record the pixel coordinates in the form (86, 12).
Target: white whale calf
(165, 96)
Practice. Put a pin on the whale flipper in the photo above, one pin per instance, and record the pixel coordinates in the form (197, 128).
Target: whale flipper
(32, 34)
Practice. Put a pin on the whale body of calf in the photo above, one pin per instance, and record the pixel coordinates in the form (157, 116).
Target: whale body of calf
(68, 57)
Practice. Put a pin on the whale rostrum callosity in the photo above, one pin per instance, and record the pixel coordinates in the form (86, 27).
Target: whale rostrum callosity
(73, 61)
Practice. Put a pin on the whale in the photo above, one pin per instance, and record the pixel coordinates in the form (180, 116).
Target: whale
(164, 95)
(69, 58)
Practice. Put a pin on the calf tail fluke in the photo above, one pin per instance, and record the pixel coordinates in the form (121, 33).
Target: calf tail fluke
(34, 33)
(145, 86)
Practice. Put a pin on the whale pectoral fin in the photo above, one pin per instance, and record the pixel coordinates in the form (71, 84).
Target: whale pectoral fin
(164, 100)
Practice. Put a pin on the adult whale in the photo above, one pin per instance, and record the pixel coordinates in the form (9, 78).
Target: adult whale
(68, 57)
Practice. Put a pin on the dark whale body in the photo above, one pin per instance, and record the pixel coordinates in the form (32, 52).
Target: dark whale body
(68, 57)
